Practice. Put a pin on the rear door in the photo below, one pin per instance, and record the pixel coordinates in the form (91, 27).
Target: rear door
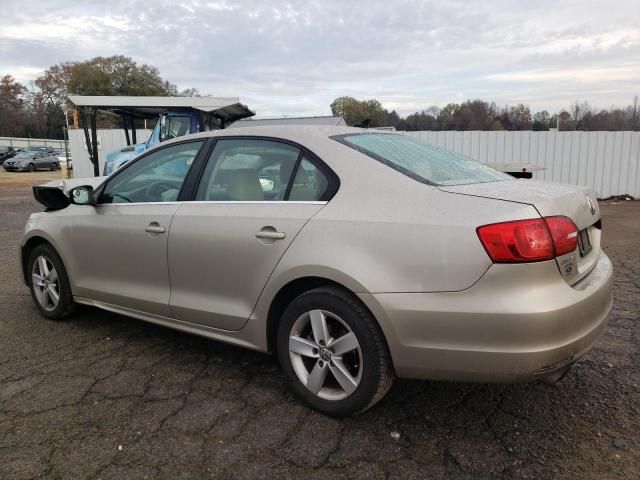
(253, 198)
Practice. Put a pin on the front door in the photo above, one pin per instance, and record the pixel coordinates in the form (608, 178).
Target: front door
(253, 198)
(120, 245)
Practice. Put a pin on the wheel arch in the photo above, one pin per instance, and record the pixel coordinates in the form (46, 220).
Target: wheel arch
(27, 248)
(291, 290)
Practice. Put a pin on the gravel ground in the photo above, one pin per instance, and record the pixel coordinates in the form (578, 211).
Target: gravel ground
(105, 396)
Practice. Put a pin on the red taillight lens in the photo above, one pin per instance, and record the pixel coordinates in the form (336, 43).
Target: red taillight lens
(564, 233)
(517, 241)
(532, 240)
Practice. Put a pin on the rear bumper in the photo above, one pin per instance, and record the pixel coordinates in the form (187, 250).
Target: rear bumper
(518, 323)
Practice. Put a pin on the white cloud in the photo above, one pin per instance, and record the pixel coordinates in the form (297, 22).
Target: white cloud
(295, 56)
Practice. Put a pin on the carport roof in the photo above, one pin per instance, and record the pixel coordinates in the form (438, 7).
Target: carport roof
(225, 107)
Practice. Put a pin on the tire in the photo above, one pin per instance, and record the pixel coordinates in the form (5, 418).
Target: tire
(54, 166)
(368, 366)
(45, 302)
(31, 167)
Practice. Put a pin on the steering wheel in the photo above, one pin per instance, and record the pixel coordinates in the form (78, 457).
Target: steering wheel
(156, 189)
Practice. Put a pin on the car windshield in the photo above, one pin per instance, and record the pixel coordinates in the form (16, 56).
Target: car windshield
(23, 155)
(421, 161)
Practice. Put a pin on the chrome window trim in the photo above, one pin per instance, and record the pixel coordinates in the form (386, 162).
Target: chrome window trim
(192, 202)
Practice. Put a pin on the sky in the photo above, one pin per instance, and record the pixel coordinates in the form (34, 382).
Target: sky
(291, 58)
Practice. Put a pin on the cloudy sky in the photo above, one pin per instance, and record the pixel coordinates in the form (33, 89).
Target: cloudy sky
(294, 58)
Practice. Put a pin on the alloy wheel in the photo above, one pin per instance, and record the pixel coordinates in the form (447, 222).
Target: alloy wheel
(325, 355)
(46, 285)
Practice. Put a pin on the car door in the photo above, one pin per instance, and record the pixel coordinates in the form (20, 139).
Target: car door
(120, 245)
(42, 160)
(224, 245)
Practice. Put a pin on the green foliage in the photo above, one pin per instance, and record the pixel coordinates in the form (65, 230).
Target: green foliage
(39, 111)
(355, 111)
(117, 75)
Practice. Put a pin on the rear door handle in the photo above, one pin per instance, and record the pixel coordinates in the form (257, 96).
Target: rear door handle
(270, 234)
(154, 227)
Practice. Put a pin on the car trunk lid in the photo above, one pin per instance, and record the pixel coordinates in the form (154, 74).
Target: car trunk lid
(550, 199)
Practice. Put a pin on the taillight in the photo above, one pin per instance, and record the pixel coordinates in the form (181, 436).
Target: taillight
(564, 233)
(531, 240)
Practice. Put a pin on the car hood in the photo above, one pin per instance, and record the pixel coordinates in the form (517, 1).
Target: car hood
(576, 202)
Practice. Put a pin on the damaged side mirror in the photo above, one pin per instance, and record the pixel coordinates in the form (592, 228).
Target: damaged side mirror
(81, 195)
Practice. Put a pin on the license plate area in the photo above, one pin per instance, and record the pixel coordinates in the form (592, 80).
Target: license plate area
(584, 243)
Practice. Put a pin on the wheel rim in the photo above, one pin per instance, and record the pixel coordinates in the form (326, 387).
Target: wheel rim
(46, 285)
(325, 355)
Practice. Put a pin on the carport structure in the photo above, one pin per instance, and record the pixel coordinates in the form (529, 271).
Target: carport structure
(214, 113)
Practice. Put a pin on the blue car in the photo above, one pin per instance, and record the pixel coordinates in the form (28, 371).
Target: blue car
(170, 125)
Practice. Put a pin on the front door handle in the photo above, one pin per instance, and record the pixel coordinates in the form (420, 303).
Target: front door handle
(154, 227)
(270, 233)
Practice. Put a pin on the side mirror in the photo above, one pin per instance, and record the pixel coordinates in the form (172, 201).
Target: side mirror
(81, 195)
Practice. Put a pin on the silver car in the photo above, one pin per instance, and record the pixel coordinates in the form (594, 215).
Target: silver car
(357, 256)
(30, 161)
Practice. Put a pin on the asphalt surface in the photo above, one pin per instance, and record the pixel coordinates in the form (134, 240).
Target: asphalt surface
(105, 396)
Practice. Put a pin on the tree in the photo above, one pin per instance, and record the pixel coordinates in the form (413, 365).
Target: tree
(355, 111)
(116, 75)
(474, 115)
(348, 108)
(541, 120)
(446, 117)
(563, 120)
(12, 103)
(520, 117)
(189, 92)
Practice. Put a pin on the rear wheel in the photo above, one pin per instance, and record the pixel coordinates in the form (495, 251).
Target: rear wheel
(54, 166)
(49, 283)
(333, 352)
(32, 167)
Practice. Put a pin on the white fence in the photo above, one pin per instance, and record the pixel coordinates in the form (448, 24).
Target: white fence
(16, 142)
(108, 139)
(608, 162)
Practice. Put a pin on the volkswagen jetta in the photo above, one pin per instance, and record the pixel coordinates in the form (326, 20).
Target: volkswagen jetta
(356, 255)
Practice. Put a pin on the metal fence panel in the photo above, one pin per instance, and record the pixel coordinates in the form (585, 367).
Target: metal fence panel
(108, 139)
(16, 142)
(608, 162)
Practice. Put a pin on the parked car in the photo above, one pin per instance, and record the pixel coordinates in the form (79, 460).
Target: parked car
(30, 161)
(41, 149)
(5, 153)
(372, 256)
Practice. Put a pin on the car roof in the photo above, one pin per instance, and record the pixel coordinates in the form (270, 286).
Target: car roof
(295, 133)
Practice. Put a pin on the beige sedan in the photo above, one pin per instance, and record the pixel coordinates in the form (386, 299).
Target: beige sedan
(356, 255)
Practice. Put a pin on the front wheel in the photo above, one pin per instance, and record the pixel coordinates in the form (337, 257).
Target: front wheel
(49, 283)
(333, 352)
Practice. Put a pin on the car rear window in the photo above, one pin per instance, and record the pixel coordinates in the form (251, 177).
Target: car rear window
(419, 160)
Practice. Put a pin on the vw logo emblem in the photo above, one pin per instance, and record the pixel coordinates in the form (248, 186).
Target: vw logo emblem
(592, 206)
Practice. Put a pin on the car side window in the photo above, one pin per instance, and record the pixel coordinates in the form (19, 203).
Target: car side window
(310, 183)
(248, 170)
(156, 177)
